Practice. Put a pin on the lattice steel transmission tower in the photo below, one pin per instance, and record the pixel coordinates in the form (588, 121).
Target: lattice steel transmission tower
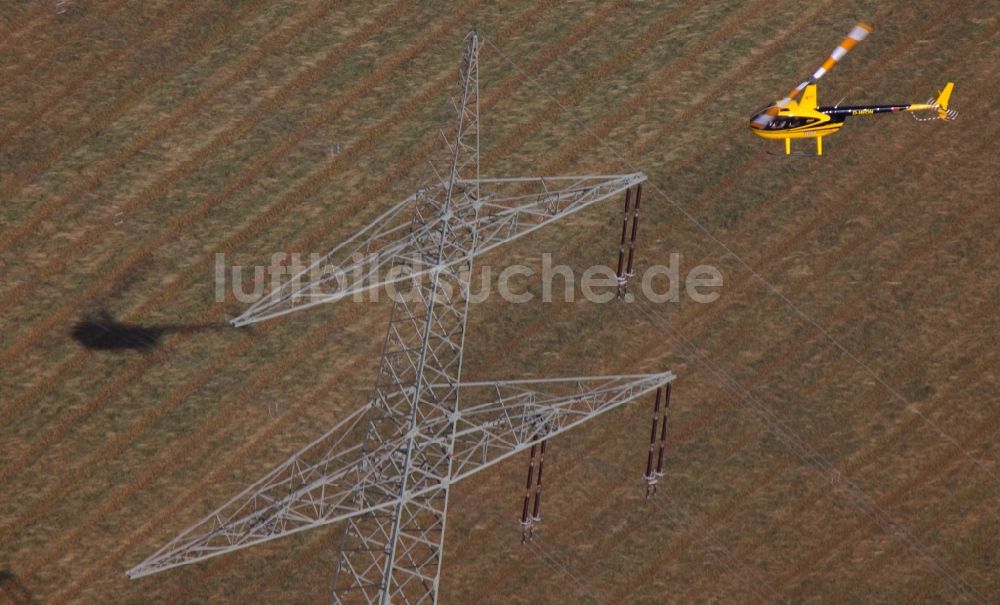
(386, 470)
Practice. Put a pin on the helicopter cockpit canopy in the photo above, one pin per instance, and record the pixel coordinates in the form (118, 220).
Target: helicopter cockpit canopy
(786, 122)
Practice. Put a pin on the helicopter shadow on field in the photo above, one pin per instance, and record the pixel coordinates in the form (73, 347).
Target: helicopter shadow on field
(103, 332)
(14, 590)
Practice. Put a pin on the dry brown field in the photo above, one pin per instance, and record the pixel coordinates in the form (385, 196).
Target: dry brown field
(835, 421)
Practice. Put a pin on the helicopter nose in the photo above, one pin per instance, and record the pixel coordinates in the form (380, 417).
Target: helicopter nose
(765, 114)
(763, 118)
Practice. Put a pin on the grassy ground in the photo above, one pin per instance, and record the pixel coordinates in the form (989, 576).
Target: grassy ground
(834, 422)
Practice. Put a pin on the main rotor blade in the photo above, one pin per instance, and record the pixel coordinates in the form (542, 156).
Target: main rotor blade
(857, 34)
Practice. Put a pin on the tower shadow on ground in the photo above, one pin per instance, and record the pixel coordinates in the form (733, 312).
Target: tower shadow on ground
(105, 333)
(13, 590)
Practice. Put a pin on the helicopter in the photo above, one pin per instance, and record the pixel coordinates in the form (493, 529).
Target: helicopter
(790, 119)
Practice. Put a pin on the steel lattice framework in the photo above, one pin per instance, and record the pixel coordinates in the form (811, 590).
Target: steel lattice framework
(386, 469)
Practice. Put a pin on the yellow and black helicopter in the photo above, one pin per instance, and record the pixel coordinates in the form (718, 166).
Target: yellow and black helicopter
(790, 119)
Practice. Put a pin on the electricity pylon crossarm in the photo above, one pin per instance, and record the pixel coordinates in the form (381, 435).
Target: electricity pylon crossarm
(319, 485)
(389, 252)
(386, 470)
(522, 412)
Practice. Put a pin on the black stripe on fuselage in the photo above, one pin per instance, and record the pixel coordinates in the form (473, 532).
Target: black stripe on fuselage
(861, 110)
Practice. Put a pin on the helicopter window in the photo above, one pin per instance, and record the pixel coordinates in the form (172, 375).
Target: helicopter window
(783, 123)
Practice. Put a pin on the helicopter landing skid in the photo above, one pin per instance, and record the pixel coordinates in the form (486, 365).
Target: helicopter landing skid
(796, 154)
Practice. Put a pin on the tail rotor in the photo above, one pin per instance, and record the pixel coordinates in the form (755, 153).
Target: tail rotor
(940, 106)
(941, 103)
